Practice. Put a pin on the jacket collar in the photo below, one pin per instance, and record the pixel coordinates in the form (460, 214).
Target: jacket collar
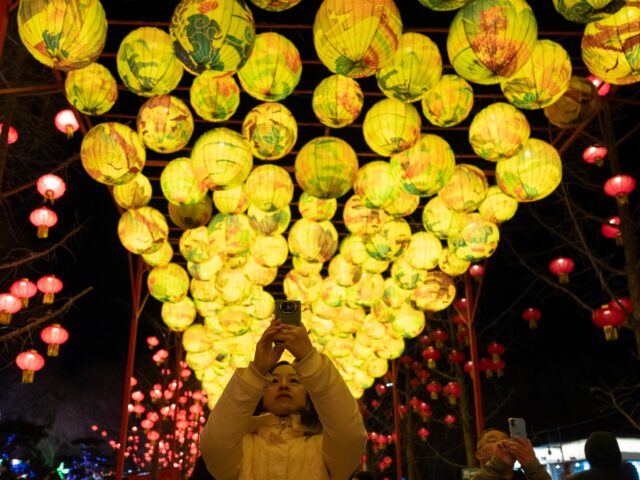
(270, 421)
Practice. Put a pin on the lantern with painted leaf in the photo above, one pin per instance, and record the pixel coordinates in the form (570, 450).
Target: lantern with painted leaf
(477, 240)
(390, 241)
(317, 209)
(408, 322)
(611, 229)
(216, 36)
(443, 5)
(214, 97)
(579, 103)
(423, 251)
(595, 154)
(586, 11)
(9, 304)
(366, 291)
(147, 63)
(29, 362)
(391, 126)
(24, 289)
(65, 35)
(162, 256)
(313, 241)
(326, 167)
(448, 102)
(452, 264)
(43, 218)
(135, 193)
(233, 284)
(337, 101)
(376, 184)
(271, 131)
(231, 235)
(165, 124)
(414, 68)
(497, 207)
(532, 315)
(231, 200)
(142, 230)
(112, 153)
(362, 220)
(269, 187)
(54, 336)
(51, 187)
(562, 267)
(259, 274)
(273, 69)
(354, 38)
(179, 184)
(344, 272)
(275, 222)
(12, 135)
(221, 158)
(532, 174)
(191, 216)
(194, 245)
(609, 319)
(275, 5)
(465, 189)
(205, 270)
(440, 220)
(168, 283)
(608, 46)
(403, 204)
(490, 40)
(92, 90)
(619, 186)
(498, 131)
(49, 285)
(66, 122)
(404, 276)
(435, 293)
(306, 288)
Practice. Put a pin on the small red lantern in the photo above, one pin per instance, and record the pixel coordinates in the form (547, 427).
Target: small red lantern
(160, 356)
(12, 136)
(54, 336)
(153, 436)
(29, 362)
(431, 355)
(51, 187)
(49, 285)
(9, 304)
(498, 367)
(24, 289)
(611, 229)
(532, 315)
(452, 390)
(456, 356)
(461, 305)
(620, 186)
(468, 367)
(495, 349)
(476, 271)
(43, 218)
(434, 388)
(609, 319)
(380, 388)
(484, 364)
(137, 396)
(423, 433)
(602, 87)
(450, 420)
(67, 122)
(146, 424)
(595, 154)
(153, 342)
(622, 303)
(562, 267)
(439, 336)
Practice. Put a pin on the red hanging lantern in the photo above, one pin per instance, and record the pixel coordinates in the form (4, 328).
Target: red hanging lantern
(43, 218)
(153, 436)
(620, 186)
(67, 122)
(12, 136)
(160, 356)
(153, 342)
(29, 362)
(450, 420)
(24, 289)
(461, 306)
(51, 187)
(602, 87)
(468, 367)
(532, 315)
(439, 336)
(9, 304)
(562, 267)
(609, 319)
(423, 433)
(452, 390)
(54, 336)
(434, 388)
(611, 229)
(622, 303)
(137, 396)
(476, 271)
(495, 349)
(456, 356)
(431, 355)
(484, 365)
(49, 285)
(595, 155)
(497, 366)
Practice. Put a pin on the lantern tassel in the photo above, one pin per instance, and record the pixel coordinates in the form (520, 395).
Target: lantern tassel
(53, 350)
(533, 324)
(622, 198)
(48, 298)
(27, 376)
(5, 318)
(43, 231)
(563, 277)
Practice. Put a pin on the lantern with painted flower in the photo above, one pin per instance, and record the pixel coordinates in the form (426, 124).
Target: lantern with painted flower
(435, 293)
(214, 97)
(452, 264)
(337, 101)
(465, 189)
(376, 184)
(269, 187)
(307, 288)
(168, 283)
(317, 209)
(135, 193)
(440, 220)
(231, 235)
(91, 90)
(191, 216)
(407, 321)
(390, 241)
(274, 222)
(579, 103)
(165, 124)
(271, 130)
(54, 336)
(448, 102)
(477, 240)
(586, 11)
(178, 316)
(391, 126)
(29, 362)
(498, 131)
(403, 204)
(443, 5)
(231, 200)
(313, 241)
(179, 185)
(142, 230)
(497, 207)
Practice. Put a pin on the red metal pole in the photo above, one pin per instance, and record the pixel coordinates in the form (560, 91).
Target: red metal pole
(4, 22)
(396, 417)
(473, 345)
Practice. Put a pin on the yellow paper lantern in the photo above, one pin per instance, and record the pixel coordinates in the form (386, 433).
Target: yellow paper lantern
(448, 102)
(423, 251)
(373, 265)
(326, 167)
(205, 270)
(233, 284)
(313, 241)
(333, 294)
(136, 193)
(112, 153)
(435, 293)
(270, 251)
(354, 38)
(348, 320)
(367, 290)
(275, 5)
(407, 321)
(491, 39)
(476, 241)
(63, 34)
(234, 320)
(466, 188)
(92, 89)
(269, 223)
(271, 131)
(273, 69)
(337, 101)
(440, 220)
(180, 315)
(579, 103)
(443, 5)
(451, 264)
(194, 245)
(390, 241)
(179, 184)
(306, 288)
(162, 256)
(168, 283)
(317, 209)
(231, 200)
(391, 126)
(395, 294)
(205, 291)
(532, 174)
(404, 276)
(389, 347)
(269, 188)
(147, 63)
(362, 220)
(259, 274)
(339, 347)
(191, 216)
(143, 230)
(414, 68)
(231, 235)
(497, 207)
(585, 11)
(498, 131)
(344, 272)
(165, 124)
(214, 97)
(403, 205)
(376, 184)
(214, 36)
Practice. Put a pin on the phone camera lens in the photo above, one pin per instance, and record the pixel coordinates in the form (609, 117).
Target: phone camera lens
(288, 307)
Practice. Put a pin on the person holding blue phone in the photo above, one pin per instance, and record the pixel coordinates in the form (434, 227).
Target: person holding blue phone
(282, 421)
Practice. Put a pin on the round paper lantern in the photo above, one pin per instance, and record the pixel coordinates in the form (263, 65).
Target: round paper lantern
(51, 187)
(579, 103)
(168, 283)
(270, 251)
(390, 241)
(403, 205)
(179, 184)
(448, 102)
(391, 126)
(373, 265)
(142, 230)
(259, 274)
(443, 5)
(221, 159)
(353, 250)
(376, 184)
(405, 276)
(359, 40)
(205, 270)
(497, 207)
(435, 293)
(451, 264)
(66, 122)
(306, 288)
(440, 220)
(542, 79)
(43, 218)
(112, 153)
(595, 154)
(269, 188)
(337, 101)
(498, 131)
(476, 241)
(49, 285)
(326, 167)
(135, 193)
(490, 39)
(423, 251)
(275, 5)
(147, 63)
(609, 319)
(231, 235)
(216, 36)
(532, 174)
(313, 241)
(24, 289)
(231, 200)
(271, 130)
(362, 220)
(62, 34)
(466, 188)
(586, 11)
(54, 336)
(414, 68)
(191, 216)
(407, 321)
(180, 315)
(29, 362)
(91, 90)
(165, 124)
(269, 223)
(215, 98)
(233, 284)
(317, 209)
(9, 304)
(162, 256)
(619, 186)
(12, 136)
(194, 245)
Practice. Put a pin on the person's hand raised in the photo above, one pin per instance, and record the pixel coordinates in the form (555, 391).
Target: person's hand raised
(522, 449)
(503, 452)
(296, 340)
(267, 354)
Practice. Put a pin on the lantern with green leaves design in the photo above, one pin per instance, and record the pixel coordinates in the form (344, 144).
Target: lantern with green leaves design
(443, 5)
(423, 251)
(317, 209)
(191, 216)
(451, 264)
(92, 89)
(448, 102)
(391, 126)
(168, 283)
(214, 97)
(135, 193)
(435, 293)
(231, 200)
(269, 187)
(275, 222)
(498, 131)
(497, 207)
(231, 235)
(337, 101)
(586, 11)
(178, 316)
(440, 220)
(165, 124)
(376, 184)
(579, 103)
(275, 5)
(271, 130)
(477, 240)
(466, 188)
(179, 185)
(390, 241)
(361, 219)
(143, 230)
(313, 241)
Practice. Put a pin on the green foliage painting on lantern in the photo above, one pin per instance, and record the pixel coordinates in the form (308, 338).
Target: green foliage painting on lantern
(271, 130)
(214, 97)
(477, 240)
(443, 5)
(578, 103)
(165, 124)
(275, 5)
(448, 102)
(585, 11)
(498, 131)
(391, 126)
(179, 185)
(136, 193)
(269, 187)
(317, 209)
(497, 207)
(168, 283)
(91, 89)
(142, 230)
(337, 101)
(440, 220)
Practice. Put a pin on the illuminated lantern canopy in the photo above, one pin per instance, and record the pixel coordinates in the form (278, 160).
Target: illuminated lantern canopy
(215, 98)
(112, 153)
(466, 188)
(440, 220)
(231, 200)
(179, 184)
(51, 187)
(609, 319)
(391, 126)
(595, 154)
(359, 40)
(92, 90)
(452, 264)
(24, 289)
(337, 101)
(435, 293)
(414, 68)
(317, 209)
(29, 362)
(476, 241)
(191, 216)
(165, 124)
(54, 336)
(498, 131)
(448, 102)
(326, 167)
(273, 69)
(180, 315)
(9, 304)
(66, 122)
(224, 51)
(143, 230)
(611, 229)
(562, 267)
(443, 5)
(423, 251)
(313, 241)
(389, 242)
(376, 184)
(497, 207)
(12, 136)
(49, 285)
(271, 130)
(65, 35)
(586, 11)
(579, 103)
(275, 5)
(135, 193)
(231, 235)
(619, 187)
(168, 283)
(269, 188)
(43, 218)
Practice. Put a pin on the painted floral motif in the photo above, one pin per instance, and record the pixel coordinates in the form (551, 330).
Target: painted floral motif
(92, 89)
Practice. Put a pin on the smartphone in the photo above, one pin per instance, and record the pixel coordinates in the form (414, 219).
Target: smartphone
(517, 428)
(289, 311)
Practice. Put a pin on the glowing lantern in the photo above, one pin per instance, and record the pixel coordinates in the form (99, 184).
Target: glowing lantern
(602, 87)
(607, 46)
(271, 131)
(452, 390)
(179, 184)
(362, 220)
(135, 193)
(611, 229)
(609, 319)
(465, 189)
(343, 272)
(231, 200)
(223, 51)
(406, 277)
(586, 11)
(162, 256)
(305, 287)
(54, 336)
(390, 241)
(595, 154)
(443, 5)
(12, 136)
(51, 187)
(579, 103)
(191, 216)
(194, 245)
(619, 187)
(92, 90)
(476, 271)
(623, 304)
(221, 159)
(326, 167)
(414, 68)
(317, 209)
(376, 184)
(231, 235)
(495, 349)
(215, 98)
(168, 283)
(43, 218)
(313, 241)
(448, 102)
(205, 270)
(165, 124)
(435, 293)
(273, 69)
(337, 101)
(49, 285)
(532, 315)
(269, 188)
(403, 204)
(269, 223)
(66, 122)
(24, 289)
(358, 41)
(180, 315)
(61, 34)
(423, 251)
(29, 362)
(532, 174)
(476, 241)
(491, 39)
(497, 207)
(112, 153)
(498, 131)
(391, 126)
(367, 291)
(562, 267)
(431, 355)
(147, 63)
(259, 274)
(452, 264)
(407, 321)
(275, 5)
(142, 230)
(440, 220)
(9, 304)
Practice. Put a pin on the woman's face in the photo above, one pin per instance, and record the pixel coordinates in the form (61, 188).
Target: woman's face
(285, 395)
